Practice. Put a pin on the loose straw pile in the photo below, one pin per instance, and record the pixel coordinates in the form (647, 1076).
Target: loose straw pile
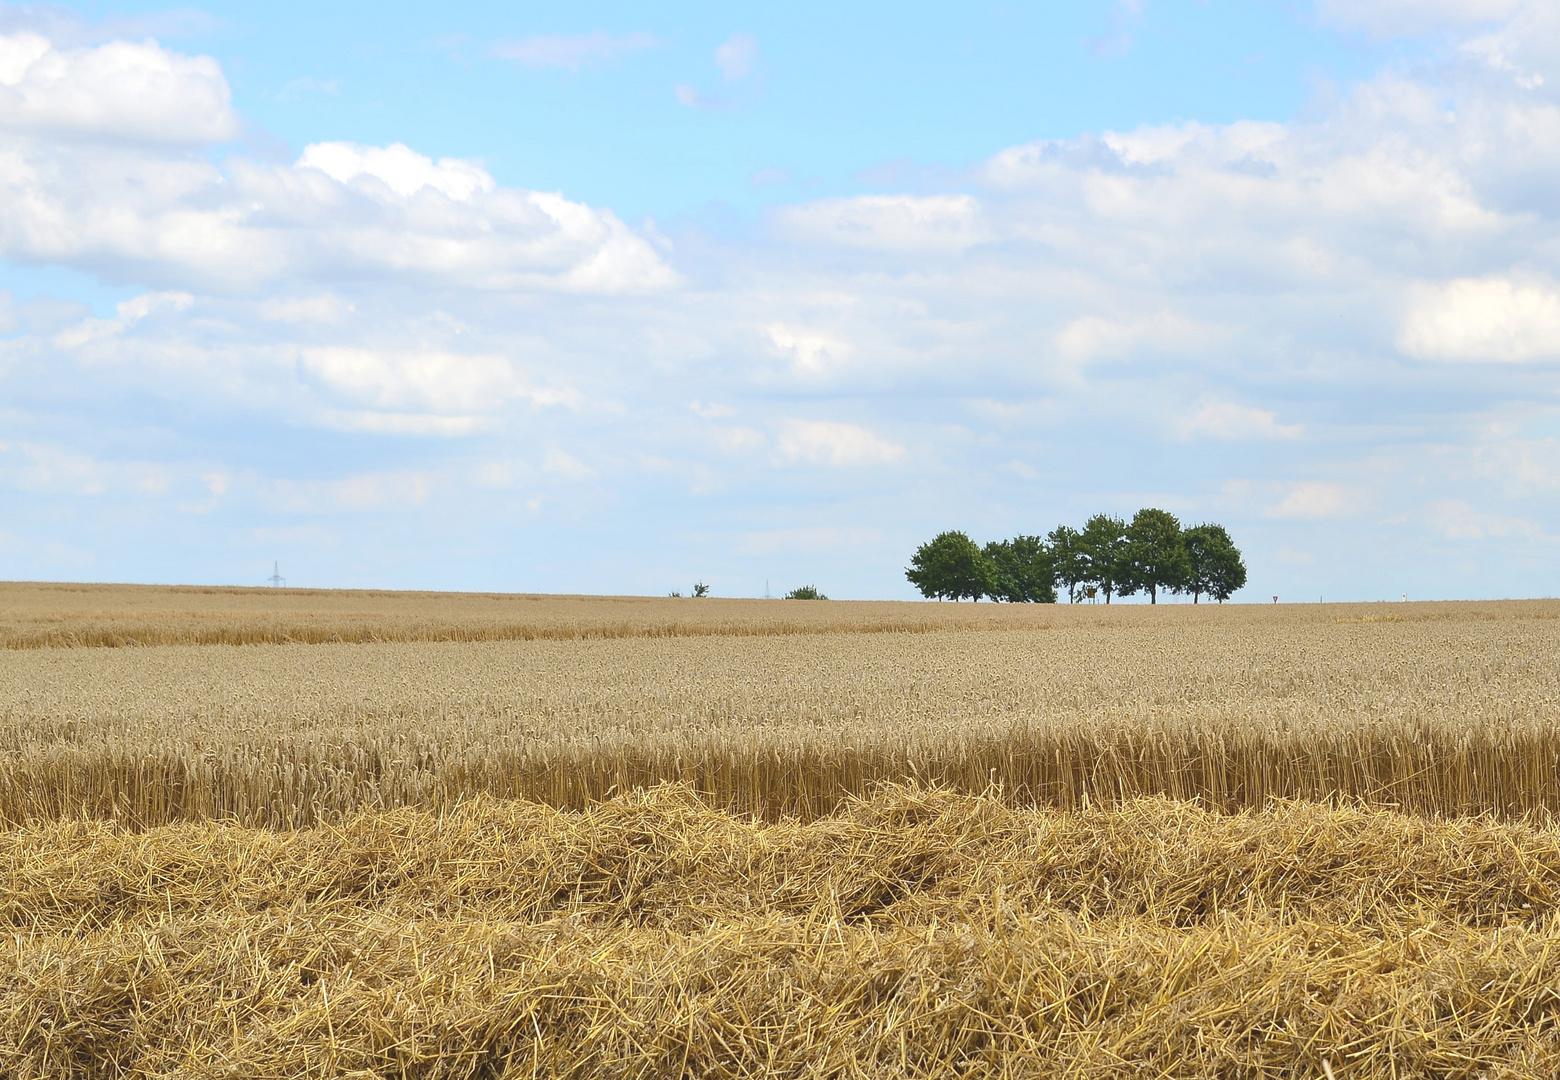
(917, 932)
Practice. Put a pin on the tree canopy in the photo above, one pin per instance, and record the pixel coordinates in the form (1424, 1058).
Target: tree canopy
(1103, 544)
(1021, 571)
(1215, 565)
(1155, 554)
(1109, 557)
(951, 567)
(1067, 560)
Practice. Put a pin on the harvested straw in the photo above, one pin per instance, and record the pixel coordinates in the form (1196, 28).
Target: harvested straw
(917, 933)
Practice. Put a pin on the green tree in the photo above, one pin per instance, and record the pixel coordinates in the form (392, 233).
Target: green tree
(1215, 565)
(1068, 565)
(1156, 556)
(805, 592)
(1103, 547)
(1021, 571)
(950, 567)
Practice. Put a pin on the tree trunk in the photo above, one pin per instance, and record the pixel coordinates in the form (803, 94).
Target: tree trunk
(1153, 594)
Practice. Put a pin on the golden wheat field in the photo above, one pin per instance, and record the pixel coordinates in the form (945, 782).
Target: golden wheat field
(277, 834)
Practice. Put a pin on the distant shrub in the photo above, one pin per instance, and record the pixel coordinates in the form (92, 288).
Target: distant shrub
(700, 589)
(806, 592)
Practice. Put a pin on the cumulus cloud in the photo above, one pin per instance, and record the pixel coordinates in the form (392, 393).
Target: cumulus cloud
(54, 469)
(1095, 337)
(896, 223)
(399, 168)
(824, 442)
(571, 52)
(341, 211)
(1493, 319)
(1235, 423)
(128, 314)
(438, 381)
(120, 91)
(97, 172)
(1456, 520)
(324, 308)
(1388, 18)
(372, 492)
(736, 58)
(809, 350)
(1313, 499)
(417, 424)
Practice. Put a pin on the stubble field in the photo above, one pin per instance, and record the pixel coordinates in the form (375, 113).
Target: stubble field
(418, 835)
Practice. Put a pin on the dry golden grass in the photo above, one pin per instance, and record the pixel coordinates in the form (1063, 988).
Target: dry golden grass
(917, 933)
(45, 615)
(1446, 708)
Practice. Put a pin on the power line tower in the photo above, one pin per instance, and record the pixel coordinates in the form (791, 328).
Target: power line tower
(276, 579)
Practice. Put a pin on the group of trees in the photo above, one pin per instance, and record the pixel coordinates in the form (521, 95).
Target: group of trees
(1108, 557)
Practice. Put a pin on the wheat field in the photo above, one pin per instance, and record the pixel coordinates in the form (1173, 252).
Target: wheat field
(1435, 708)
(276, 834)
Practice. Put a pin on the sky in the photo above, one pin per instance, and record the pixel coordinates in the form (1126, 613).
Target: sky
(603, 298)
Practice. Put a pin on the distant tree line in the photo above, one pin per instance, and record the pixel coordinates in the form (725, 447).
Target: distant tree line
(1106, 558)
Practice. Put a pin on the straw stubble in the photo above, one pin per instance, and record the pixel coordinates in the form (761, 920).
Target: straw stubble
(915, 933)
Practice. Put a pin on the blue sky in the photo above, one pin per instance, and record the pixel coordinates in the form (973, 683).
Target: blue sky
(584, 299)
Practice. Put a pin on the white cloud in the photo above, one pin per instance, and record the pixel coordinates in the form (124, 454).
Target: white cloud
(769, 176)
(736, 56)
(130, 312)
(1303, 205)
(120, 91)
(93, 176)
(1315, 499)
(565, 465)
(738, 440)
(811, 352)
(1393, 17)
(571, 52)
(394, 490)
(1229, 421)
(1456, 520)
(48, 468)
(1492, 319)
(711, 410)
(1519, 466)
(325, 308)
(687, 94)
(404, 171)
(435, 381)
(342, 212)
(401, 423)
(898, 223)
(1096, 337)
(823, 442)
